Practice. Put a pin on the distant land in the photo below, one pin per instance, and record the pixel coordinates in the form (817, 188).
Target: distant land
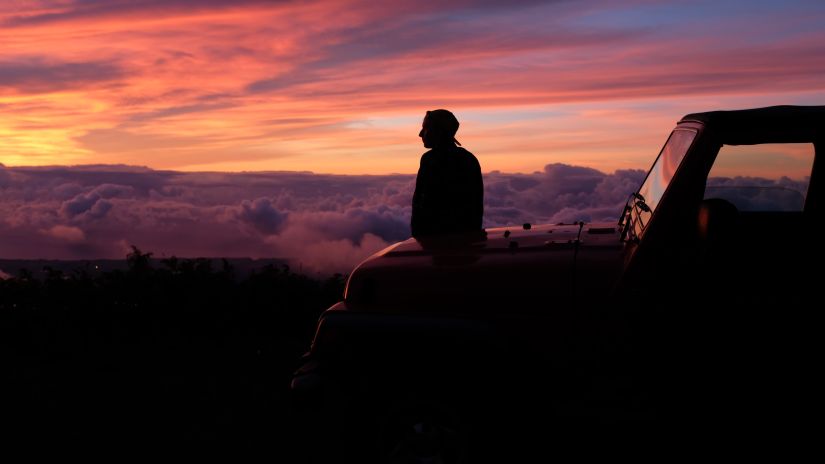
(242, 267)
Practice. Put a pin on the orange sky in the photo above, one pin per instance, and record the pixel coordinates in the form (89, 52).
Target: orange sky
(341, 86)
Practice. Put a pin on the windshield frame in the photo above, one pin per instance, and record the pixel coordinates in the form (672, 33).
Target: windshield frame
(639, 210)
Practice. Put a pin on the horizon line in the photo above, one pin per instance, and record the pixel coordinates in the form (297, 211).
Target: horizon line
(141, 168)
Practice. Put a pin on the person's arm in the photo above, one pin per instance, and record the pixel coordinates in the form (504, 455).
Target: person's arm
(416, 219)
(467, 197)
(478, 197)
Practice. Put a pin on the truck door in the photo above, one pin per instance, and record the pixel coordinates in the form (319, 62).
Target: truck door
(755, 288)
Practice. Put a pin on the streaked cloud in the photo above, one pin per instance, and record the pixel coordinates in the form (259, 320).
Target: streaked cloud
(339, 86)
(34, 75)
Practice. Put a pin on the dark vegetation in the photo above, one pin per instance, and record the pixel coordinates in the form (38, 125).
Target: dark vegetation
(180, 354)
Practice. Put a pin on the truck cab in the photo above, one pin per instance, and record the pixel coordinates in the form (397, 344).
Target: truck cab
(694, 311)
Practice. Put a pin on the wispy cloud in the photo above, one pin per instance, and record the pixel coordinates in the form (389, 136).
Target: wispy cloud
(295, 85)
(39, 75)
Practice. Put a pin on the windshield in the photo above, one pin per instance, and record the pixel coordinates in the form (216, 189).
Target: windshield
(662, 172)
(642, 205)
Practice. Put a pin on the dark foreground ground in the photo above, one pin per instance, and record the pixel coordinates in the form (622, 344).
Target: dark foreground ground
(150, 358)
(186, 356)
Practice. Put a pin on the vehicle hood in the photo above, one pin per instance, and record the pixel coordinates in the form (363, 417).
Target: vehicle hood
(506, 266)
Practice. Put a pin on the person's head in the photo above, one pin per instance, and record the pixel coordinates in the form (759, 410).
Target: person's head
(438, 129)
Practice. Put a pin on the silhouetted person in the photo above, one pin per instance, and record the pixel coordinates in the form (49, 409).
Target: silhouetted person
(449, 192)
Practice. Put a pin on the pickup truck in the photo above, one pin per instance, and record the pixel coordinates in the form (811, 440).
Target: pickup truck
(691, 321)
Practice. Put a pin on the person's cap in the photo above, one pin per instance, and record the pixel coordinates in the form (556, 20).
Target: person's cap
(445, 121)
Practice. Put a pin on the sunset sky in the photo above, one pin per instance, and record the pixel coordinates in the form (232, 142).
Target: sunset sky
(340, 86)
(150, 122)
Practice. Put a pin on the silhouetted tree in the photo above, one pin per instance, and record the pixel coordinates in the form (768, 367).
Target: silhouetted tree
(138, 261)
(179, 349)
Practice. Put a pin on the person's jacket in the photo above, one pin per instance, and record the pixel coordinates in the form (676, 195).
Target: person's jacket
(449, 193)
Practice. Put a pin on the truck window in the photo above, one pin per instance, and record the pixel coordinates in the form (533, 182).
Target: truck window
(665, 166)
(660, 176)
(762, 178)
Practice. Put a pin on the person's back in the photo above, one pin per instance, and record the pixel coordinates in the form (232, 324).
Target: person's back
(449, 191)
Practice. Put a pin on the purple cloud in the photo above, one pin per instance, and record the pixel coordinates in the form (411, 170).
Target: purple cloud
(324, 223)
(561, 193)
(262, 215)
(94, 204)
(758, 194)
(321, 223)
(36, 74)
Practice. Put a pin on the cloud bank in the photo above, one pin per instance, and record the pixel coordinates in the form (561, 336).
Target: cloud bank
(321, 223)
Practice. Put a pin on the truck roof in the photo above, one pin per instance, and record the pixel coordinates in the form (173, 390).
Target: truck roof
(774, 124)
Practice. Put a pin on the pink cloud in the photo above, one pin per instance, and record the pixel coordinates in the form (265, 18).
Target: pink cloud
(288, 85)
(67, 233)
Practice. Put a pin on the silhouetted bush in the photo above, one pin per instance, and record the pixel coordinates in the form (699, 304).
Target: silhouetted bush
(180, 351)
